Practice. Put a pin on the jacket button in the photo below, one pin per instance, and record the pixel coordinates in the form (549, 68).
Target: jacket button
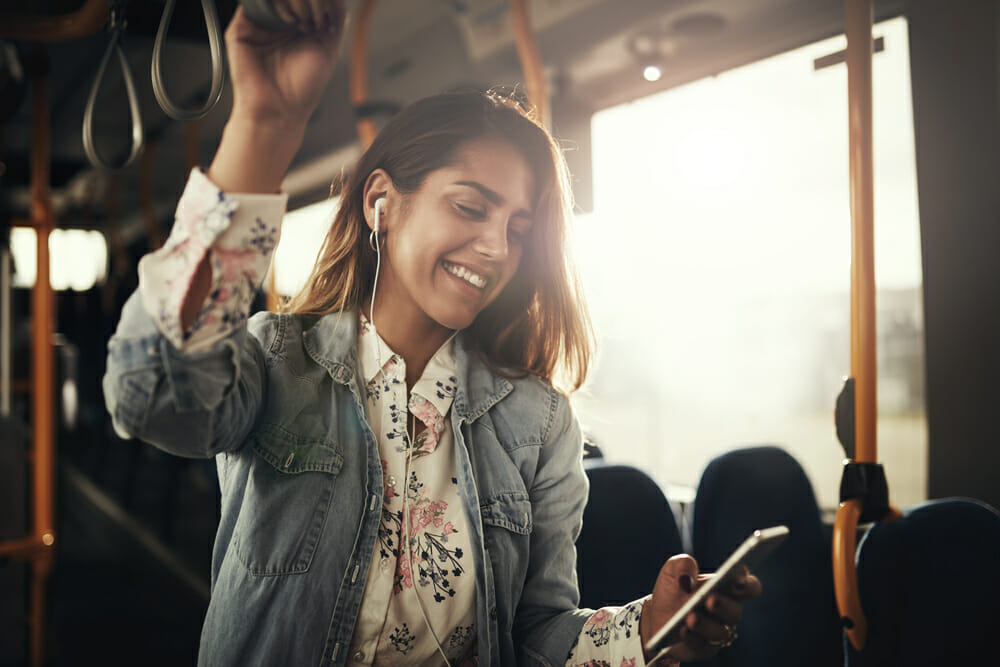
(493, 612)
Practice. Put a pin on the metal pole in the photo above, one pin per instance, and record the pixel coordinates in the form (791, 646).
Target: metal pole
(858, 26)
(42, 318)
(5, 333)
(863, 340)
(531, 60)
(358, 73)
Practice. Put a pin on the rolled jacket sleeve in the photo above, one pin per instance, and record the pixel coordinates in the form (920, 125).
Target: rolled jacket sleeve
(239, 232)
(196, 393)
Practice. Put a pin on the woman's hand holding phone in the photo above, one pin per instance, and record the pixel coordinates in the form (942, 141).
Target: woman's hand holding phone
(710, 626)
(691, 616)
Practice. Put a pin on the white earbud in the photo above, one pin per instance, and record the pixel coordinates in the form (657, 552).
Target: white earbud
(379, 212)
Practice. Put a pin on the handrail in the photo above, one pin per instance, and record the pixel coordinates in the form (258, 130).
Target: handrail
(65, 27)
(845, 571)
(359, 74)
(43, 365)
(858, 20)
(531, 60)
(116, 26)
(215, 49)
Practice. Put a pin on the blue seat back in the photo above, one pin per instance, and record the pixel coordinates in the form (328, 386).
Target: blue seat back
(930, 587)
(795, 622)
(628, 533)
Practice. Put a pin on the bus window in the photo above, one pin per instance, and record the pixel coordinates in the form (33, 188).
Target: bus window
(717, 262)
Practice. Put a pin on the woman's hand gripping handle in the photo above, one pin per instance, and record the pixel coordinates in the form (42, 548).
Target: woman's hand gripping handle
(278, 79)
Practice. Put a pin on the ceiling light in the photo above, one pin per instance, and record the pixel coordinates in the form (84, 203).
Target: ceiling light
(652, 73)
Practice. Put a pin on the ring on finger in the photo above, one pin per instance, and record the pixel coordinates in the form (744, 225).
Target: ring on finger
(731, 636)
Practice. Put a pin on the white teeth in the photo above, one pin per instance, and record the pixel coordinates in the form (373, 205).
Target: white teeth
(473, 279)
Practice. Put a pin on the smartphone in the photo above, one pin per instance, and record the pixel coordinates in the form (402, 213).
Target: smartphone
(750, 553)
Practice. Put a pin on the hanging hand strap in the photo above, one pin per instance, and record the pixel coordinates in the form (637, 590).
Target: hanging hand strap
(116, 26)
(215, 48)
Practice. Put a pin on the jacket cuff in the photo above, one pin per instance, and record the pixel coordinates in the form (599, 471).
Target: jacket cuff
(240, 232)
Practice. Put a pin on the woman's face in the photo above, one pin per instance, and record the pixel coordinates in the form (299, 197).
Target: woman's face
(453, 245)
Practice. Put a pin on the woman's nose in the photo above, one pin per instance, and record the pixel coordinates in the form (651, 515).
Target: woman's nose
(492, 240)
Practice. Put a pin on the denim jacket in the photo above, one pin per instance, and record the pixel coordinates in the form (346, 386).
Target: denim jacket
(278, 403)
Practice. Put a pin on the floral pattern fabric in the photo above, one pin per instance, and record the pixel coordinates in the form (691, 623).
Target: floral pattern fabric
(239, 233)
(610, 638)
(420, 590)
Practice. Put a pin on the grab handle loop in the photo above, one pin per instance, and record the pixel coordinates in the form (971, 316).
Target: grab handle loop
(116, 26)
(215, 48)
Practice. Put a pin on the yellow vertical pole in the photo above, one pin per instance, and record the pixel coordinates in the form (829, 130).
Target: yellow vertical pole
(858, 26)
(531, 60)
(358, 75)
(863, 340)
(42, 318)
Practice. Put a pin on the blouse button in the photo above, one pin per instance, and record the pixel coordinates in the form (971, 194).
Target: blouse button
(391, 481)
(359, 656)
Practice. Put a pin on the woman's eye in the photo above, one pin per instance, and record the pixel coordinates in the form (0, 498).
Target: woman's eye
(470, 211)
(517, 234)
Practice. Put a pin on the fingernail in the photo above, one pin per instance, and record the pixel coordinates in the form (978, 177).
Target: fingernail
(686, 582)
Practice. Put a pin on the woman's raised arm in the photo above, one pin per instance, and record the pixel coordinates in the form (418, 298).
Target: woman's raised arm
(278, 79)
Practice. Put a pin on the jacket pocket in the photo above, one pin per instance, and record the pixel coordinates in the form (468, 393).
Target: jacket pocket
(510, 511)
(286, 501)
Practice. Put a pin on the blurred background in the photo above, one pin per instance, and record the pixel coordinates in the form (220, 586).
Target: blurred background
(707, 141)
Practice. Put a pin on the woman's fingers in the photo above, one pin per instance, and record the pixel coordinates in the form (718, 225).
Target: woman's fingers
(704, 633)
(285, 11)
(745, 587)
(724, 609)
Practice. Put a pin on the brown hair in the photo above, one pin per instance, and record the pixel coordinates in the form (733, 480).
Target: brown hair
(539, 323)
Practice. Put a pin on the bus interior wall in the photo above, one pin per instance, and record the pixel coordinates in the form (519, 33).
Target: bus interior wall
(955, 61)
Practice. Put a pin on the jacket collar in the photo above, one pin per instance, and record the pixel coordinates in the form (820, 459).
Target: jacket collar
(332, 342)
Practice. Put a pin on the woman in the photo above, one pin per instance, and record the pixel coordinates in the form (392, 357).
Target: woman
(393, 492)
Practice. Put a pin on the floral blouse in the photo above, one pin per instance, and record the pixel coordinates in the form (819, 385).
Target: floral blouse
(432, 575)
(421, 506)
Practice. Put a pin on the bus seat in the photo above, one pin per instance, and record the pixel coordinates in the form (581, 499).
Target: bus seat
(628, 533)
(930, 585)
(795, 621)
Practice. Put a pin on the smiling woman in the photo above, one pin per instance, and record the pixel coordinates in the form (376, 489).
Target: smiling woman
(402, 480)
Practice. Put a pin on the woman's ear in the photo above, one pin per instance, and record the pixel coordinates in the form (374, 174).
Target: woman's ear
(378, 185)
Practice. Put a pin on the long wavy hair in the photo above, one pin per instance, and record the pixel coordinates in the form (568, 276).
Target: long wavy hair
(539, 324)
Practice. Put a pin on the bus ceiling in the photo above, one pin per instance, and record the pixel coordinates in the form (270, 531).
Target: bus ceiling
(593, 54)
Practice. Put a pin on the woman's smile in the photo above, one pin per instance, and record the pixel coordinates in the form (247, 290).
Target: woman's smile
(466, 275)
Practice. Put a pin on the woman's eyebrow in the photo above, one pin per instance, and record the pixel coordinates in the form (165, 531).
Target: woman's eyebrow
(493, 196)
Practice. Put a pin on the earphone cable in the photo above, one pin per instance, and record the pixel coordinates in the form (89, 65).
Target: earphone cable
(405, 532)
